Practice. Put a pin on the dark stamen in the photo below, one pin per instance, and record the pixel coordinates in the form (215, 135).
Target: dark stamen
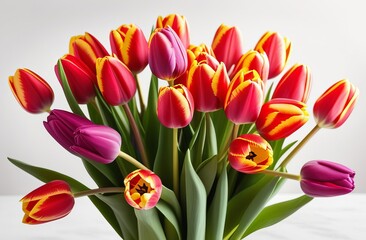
(142, 189)
(251, 156)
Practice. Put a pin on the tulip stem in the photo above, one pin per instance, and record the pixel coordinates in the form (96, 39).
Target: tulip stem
(299, 146)
(136, 133)
(99, 191)
(282, 174)
(175, 163)
(141, 98)
(132, 160)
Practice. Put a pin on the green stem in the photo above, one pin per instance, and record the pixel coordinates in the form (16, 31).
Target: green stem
(226, 143)
(136, 133)
(299, 146)
(175, 162)
(141, 97)
(282, 174)
(132, 160)
(235, 132)
(98, 191)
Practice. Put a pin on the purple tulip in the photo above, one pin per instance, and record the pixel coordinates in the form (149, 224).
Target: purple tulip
(320, 178)
(82, 137)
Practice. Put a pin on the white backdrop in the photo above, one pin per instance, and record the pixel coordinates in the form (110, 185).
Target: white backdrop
(327, 35)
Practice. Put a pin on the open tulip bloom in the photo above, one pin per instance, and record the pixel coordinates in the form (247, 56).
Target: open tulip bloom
(199, 158)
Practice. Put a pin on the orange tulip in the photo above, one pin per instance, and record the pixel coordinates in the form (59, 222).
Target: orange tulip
(178, 23)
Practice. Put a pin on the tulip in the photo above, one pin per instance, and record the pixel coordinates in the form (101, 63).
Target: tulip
(82, 137)
(175, 106)
(227, 45)
(142, 189)
(250, 153)
(295, 84)
(87, 48)
(335, 105)
(32, 92)
(208, 83)
(129, 44)
(178, 23)
(320, 178)
(115, 81)
(277, 49)
(79, 77)
(253, 60)
(50, 202)
(167, 55)
(280, 117)
(244, 97)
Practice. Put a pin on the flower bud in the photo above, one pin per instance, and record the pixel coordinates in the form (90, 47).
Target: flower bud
(129, 44)
(244, 97)
(320, 178)
(79, 77)
(178, 23)
(50, 202)
(277, 49)
(167, 55)
(294, 84)
(142, 189)
(250, 153)
(280, 117)
(115, 81)
(335, 105)
(175, 106)
(32, 92)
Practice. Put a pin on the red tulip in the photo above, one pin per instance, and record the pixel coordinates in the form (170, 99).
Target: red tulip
(178, 23)
(32, 92)
(50, 202)
(335, 105)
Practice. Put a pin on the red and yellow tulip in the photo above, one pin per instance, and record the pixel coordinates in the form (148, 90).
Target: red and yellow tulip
(33, 93)
(178, 23)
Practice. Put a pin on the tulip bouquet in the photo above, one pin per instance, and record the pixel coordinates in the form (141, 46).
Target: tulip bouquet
(201, 158)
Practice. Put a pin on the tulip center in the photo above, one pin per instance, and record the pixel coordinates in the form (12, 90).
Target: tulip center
(141, 189)
(251, 156)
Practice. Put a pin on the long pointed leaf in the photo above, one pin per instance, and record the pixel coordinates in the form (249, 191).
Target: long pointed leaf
(149, 225)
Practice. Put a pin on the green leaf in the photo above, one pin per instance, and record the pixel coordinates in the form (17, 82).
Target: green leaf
(169, 214)
(217, 211)
(197, 143)
(196, 202)
(276, 213)
(104, 174)
(149, 225)
(94, 113)
(207, 172)
(210, 148)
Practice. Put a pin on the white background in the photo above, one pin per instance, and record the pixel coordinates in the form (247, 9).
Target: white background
(327, 35)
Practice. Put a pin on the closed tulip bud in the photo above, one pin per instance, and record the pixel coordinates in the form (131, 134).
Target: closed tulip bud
(79, 77)
(244, 97)
(253, 60)
(167, 55)
(178, 23)
(82, 137)
(175, 106)
(50, 202)
(320, 178)
(250, 153)
(32, 92)
(142, 189)
(277, 49)
(115, 81)
(227, 45)
(335, 105)
(129, 44)
(87, 48)
(208, 83)
(294, 84)
(280, 117)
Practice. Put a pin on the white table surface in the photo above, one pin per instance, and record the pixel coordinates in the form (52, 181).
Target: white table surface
(335, 218)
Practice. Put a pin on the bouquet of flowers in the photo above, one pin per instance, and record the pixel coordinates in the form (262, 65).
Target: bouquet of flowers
(207, 150)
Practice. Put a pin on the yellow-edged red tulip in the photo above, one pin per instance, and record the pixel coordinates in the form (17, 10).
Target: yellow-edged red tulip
(244, 97)
(87, 48)
(115, 81)
(79, 77)
(129, 44)
(335, 105)
(142, 189)
(227, 45)
(49, 202)
(294, 84)
(33, 93)
(250, 153)
(253, 60)
(208, 82)
(175, 106)
(277, 49)
(178, 23)
(280, 117)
